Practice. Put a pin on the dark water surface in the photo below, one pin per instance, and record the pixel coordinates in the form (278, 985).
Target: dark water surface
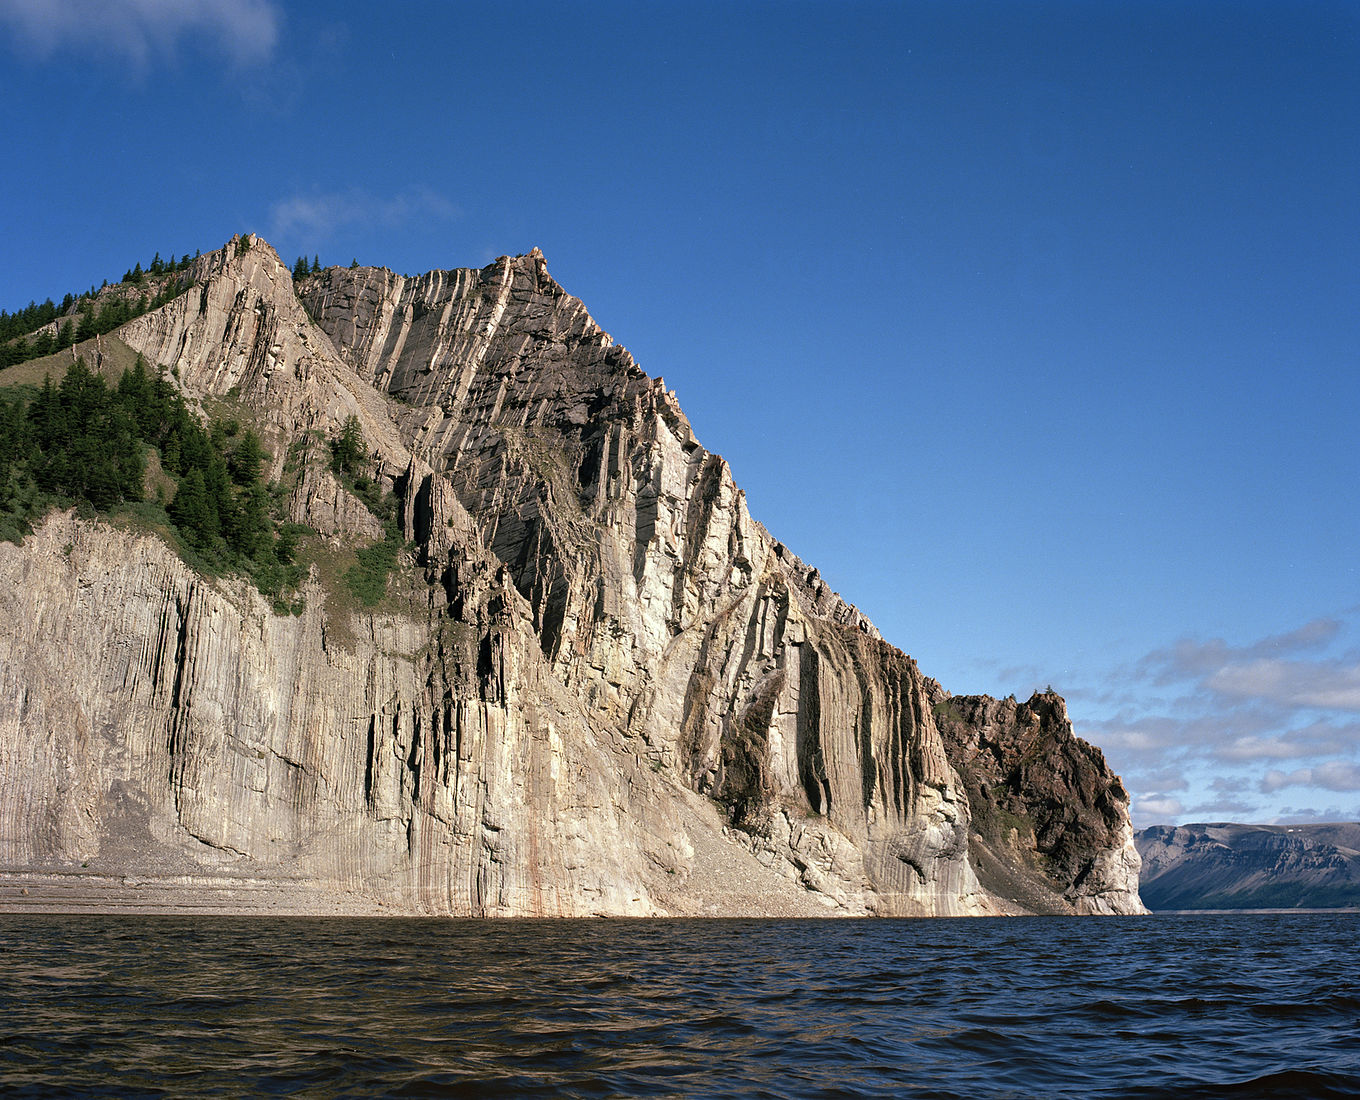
(1237, 1005)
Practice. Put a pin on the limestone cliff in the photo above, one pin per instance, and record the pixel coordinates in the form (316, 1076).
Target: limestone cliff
(597, 686)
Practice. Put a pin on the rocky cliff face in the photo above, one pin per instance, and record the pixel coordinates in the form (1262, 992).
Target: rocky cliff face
(598, 685)
(1050, 820)
(1227, 866)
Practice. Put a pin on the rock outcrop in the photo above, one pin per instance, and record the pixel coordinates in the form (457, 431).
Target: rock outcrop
(1050, 820)
(596, 686)
(1228, 866)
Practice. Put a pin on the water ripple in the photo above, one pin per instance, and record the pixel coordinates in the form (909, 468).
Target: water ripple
(1243, 1005)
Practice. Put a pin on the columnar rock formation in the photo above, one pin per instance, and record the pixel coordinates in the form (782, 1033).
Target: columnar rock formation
(598, 686)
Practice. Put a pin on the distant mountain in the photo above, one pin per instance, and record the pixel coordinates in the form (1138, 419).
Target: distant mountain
(1227, 866)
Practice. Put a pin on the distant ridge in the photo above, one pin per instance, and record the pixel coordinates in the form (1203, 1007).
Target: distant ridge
(1230, 866)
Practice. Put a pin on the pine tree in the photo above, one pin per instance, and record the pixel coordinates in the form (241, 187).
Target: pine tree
(347, 448)
(254, 539)
(285, 549)
(221, 500)
(316, 265)
(247, 460)
(46, 416)
(300, 268)
(136, 396)
(191, 512)
(85, 329)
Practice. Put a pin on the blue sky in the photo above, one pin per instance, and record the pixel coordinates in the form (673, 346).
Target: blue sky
(1034, 325)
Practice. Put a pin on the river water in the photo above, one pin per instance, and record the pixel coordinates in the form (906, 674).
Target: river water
(1195, 1005)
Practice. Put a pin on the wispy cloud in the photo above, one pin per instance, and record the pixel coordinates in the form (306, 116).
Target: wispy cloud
(316, 218)
(141, 31)
(1292, 815)
(1327, 685)
(1188, 658)
(1334, 775)
(1226, 727)
(1157, 807)
(1316, 739)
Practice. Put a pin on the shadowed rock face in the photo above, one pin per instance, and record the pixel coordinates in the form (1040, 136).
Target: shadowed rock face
(1227, 866)
(1050, 820)
(599, 686)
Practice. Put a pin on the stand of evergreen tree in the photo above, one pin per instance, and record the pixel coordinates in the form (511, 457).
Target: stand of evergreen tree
(116, 310)
(85, 443)
(301, 269)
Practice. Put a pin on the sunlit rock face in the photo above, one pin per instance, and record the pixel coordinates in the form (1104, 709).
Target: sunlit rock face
(596, 686)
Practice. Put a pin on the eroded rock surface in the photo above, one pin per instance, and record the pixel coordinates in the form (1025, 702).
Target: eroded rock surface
(598, 686)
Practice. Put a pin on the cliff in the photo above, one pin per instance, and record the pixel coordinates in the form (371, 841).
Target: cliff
(596, 684)
(1227, 866)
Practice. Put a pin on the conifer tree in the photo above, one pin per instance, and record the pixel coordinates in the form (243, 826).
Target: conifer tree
(45, 414)
(347, 448)
(221, 501)
(253, 538)
(191, 512)
(85, 329)
(247, 460)
(136, 396)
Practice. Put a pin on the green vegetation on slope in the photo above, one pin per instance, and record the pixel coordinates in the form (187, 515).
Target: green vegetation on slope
(77, 318)
(367, 580)
(87, 444)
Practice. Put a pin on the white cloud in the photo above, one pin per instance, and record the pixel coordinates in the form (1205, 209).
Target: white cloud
(1164, 779)
(1134, 740)
(315, 217)
(1334, 775)
(1188, 659)
(1329, 685)
(1292, 815)
(1226, 724)
(1224, 809)
(140, 30)
(1153, 809)
(1318, 739)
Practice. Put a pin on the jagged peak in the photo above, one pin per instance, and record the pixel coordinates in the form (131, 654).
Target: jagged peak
(242, 252)
(533, 264)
